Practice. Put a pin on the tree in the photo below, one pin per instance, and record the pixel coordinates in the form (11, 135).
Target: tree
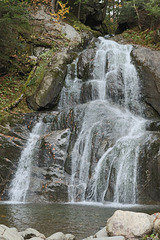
(153, 9)
(13, 26)
(79, 3)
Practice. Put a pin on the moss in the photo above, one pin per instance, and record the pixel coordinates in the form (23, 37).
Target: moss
(37, 74)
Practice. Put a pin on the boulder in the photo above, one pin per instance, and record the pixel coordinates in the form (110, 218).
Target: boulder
(49, 76)
(69, 237)
(149, 58)
(57, 236)
(9, 233)
(101, 233)
(31, 233)
(70, 33)
(156, 226)
(129, 224)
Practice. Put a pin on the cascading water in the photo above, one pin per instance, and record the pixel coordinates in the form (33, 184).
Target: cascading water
(110, 125)
(20, 183)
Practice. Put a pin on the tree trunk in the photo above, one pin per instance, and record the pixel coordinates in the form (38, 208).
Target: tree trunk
(134, 5)
(79, 10)
(53, 5)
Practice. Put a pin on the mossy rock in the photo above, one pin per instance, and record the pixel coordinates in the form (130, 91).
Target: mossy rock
(47, 79)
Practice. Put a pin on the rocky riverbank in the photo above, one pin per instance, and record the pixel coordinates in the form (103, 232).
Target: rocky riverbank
(123, 225)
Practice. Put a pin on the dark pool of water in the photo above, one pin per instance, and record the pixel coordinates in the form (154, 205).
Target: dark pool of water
(82, 220)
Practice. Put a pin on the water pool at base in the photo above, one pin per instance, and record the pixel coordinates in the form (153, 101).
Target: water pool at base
(81, 220)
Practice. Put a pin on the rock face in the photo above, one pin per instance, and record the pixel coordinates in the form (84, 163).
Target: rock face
(148, 171)
(48, 180)
(148, 61)
(129, 224)
(85, 64)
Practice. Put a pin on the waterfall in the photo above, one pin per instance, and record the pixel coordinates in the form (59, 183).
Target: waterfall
(20, 183)
(105, 154)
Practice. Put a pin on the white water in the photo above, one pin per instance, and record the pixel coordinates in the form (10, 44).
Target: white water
(112, 114)
(20, 183)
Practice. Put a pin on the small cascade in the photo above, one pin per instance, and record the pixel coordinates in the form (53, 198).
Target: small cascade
(20, 183)
(105, 154)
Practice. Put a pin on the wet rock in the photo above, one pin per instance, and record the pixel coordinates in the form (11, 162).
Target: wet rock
(148, 178)
(129, 224)
(12, 139)
(153, 126)
(48, 180)
(85, 64)
(30, 233)
(115, 88)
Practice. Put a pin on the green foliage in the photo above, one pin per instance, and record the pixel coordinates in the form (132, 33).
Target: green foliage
(127, 15)
(153, 236)
(14, 26)
(142, 13)
(153, 8)
(111, 24)
(146, 38)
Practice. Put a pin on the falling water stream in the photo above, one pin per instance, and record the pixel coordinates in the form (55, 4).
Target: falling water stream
(20, 184)
(112, 124)
(114, 107)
